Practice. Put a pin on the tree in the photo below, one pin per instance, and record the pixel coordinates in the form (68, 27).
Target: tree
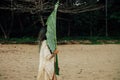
(43, 6)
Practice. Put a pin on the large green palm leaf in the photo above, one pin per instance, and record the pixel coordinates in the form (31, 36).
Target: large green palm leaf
(51, 33)
(51, 29)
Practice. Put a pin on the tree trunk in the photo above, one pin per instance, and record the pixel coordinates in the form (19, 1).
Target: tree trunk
(91, 34)
(106, 21)
(69, 30)
(42, 21)
(4, 33)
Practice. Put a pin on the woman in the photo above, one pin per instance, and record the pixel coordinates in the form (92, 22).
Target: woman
(46, 64)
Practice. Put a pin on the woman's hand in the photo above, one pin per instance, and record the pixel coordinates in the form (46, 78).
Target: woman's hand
(55, 51)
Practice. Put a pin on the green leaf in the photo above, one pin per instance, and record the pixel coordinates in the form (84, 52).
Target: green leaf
(51, 34)
(51, 29)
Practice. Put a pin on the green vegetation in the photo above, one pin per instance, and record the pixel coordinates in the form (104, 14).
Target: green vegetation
(24, 40)
(65, 40)
(91, 40)
(87, 25)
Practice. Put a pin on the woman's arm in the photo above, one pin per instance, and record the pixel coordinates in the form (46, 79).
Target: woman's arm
(54, 53)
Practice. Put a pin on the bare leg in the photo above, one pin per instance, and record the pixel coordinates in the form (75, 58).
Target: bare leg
(54, 77)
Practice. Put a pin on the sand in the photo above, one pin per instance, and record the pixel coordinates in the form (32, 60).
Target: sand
(76, 62)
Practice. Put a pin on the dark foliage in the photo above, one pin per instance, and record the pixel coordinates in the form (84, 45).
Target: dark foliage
(91, 23)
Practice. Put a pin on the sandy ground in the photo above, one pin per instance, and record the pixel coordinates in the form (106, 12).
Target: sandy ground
(77, 62)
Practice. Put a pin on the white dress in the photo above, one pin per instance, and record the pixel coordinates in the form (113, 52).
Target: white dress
(46, 66)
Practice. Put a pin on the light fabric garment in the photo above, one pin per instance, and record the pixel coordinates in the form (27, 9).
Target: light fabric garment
(46, 66)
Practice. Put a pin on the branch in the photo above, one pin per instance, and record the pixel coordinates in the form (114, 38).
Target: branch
(85, 9)
(3, 31)
(40, 7)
